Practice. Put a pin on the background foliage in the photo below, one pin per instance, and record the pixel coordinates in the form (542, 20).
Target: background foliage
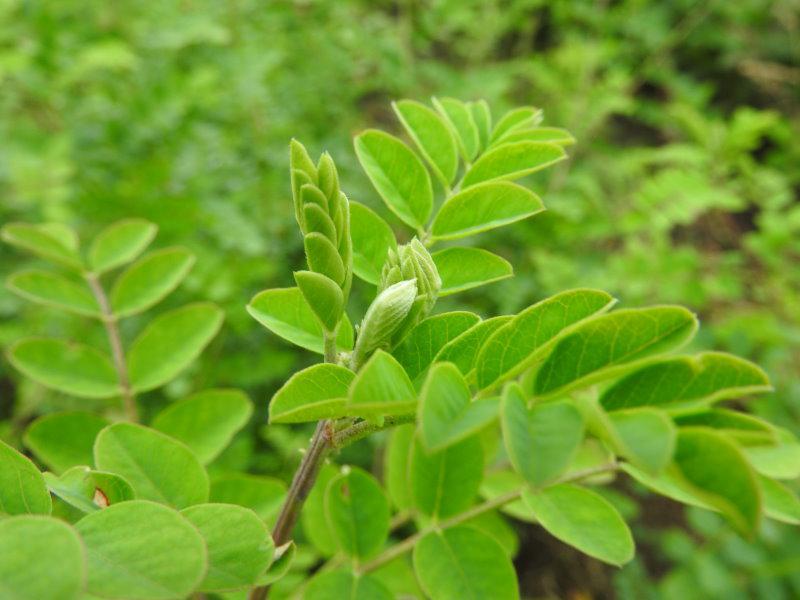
(682, 187)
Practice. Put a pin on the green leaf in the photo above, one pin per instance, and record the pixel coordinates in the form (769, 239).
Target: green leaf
(447, 414)
(285, 313)
(516, 119)
(513, 161)
(459, 116)
(336, 585)
(497, 527)
(463, 562)
(40, 557)
(542, 441)
(313, 518)
(120, 243)
(263, 495)
(239, 545)
(72, 368)
(553, 135)
(64, 440)
(43, 241)
(720, 475)
(423, 342)
(396, 466)
(745, 429)
(445, 483)
(282, 562)
(358, 513)
(140, 549)
(780, 503)
(318, 392)
(22, 487)
(206, 421)
(484, 267)
(608, 344)
(372, 240)
(381, 387)
(781, 461)
(148, 280)
(463, 350)
(89, 491)
(323, 296)
(323, 257)
(500, 483)
(318, 221)
(53, 290)
(687, 382)
(517, 344)
(647, 437)
(669, 483)
(398, 176)
(431, 135)
(482, 117)
(170, 343)
(584, 519)
(484, 206)
(158, 467)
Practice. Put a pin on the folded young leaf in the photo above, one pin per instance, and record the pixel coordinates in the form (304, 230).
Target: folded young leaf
(120, 243)
(516, 119)
(149, 280)
(170, 343)
(610, 344)
(583, 519)
(64, 440)
(239, 545)
(720, 475)
(22, 487)
(462, 350)
(463, 562)
(206, 421)
(323, 257)
(382, 387)
(286, 313)
(398, 176)
(51, 242)
(54, 290)
(482, 207)
(335, 585)
(372, 240)
(420, 346)
(262, 495)
(515, 345)
(447, 413)
(318, 221)
(141, 549)
(432, 136)
(318, 392)
(324, 297)
(513, 161)
(357, 512)
(71, 368)
(157, 466)
(41, 557)
(484, 267)
(685, 382)
(459, 117)
(541, 441)
(446, 482)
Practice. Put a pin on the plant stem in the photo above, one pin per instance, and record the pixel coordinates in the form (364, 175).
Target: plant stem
(363, 429)
(497, 502)
(114, 340)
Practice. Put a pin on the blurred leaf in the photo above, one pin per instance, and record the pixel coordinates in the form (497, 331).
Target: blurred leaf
(54, 290)
(335, 585)
(516, 119)
(647, 437)
(170, 343)
(72, 368)
(206, 421)
(554, 135)
(120, 243)
(780, 502)
(263, 495)
(64, 440)
(44, 242)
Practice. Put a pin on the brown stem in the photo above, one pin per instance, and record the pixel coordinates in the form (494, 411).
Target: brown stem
(114, 340)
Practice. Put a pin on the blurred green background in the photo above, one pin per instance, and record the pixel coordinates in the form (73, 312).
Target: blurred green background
(684, 187)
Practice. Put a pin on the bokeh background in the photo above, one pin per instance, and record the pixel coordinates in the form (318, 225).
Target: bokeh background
(684, 187)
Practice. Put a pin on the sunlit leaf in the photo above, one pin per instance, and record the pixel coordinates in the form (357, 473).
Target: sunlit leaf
(513, 161)
(318, 392)
(484, 267)
(431, 135)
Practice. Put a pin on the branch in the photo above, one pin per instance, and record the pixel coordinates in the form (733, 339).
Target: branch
(362, 429)
(114, 340)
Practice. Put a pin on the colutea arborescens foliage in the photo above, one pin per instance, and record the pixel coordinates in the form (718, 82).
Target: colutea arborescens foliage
(493, 420)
